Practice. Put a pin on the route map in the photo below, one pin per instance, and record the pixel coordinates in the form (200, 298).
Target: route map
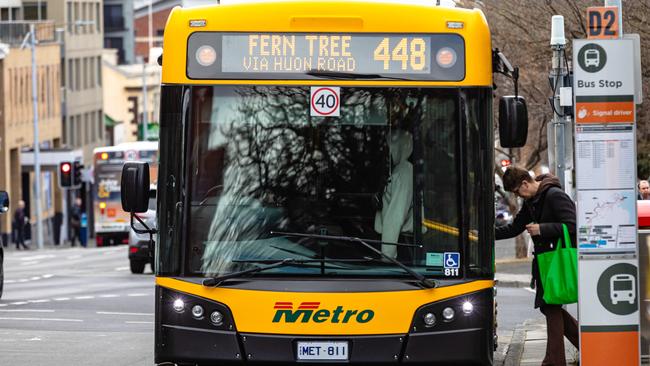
(609, 220)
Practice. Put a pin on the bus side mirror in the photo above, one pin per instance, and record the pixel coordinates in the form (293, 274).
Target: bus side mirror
(135, 187)
(513, 121)
(4, 201)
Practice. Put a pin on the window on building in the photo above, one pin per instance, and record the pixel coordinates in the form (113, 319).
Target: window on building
(70, 20)
(70, 79)
(77, 17)
(113, 17)
(77, 74)
(118, 44)
(84, 72)
(99, 70)
(98, 16)
(88, 124)
(85, 17)
(30, 10)
(100, 125)
(8, 14)
(93, 73)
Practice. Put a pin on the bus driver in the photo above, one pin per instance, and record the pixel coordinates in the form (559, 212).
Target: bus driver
(396, 215)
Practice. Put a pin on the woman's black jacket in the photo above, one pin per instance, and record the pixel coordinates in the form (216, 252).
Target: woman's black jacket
(550, 208)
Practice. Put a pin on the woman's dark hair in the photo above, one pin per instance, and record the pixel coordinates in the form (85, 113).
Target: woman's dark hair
(514, 176)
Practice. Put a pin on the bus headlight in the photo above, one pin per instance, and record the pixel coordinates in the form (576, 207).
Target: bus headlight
(429, 319)
(216, 318)
(468, 307)
(178, 305)
(448, 314)
(197, 311)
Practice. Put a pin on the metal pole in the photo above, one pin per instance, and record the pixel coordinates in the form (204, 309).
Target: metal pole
(150, 27)
(619, 4)
(39, 10)
(37, 148)
(559, 122)
(145, 119)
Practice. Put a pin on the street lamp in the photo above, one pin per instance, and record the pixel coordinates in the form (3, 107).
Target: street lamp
(31, 38)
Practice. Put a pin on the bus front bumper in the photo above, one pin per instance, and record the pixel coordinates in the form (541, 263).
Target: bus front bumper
(468, 339)
(465, 346)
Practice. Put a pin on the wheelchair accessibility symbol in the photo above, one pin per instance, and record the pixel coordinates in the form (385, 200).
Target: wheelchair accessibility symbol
(451, 263)
(452, 260)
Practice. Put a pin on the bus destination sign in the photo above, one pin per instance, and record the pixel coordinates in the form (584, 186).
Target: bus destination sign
(301, 55)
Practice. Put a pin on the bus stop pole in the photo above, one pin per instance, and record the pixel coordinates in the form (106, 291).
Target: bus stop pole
(557, 130)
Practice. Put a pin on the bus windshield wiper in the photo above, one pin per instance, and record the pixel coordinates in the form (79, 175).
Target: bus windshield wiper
(425, 282)
(349, 75)
(272, 263)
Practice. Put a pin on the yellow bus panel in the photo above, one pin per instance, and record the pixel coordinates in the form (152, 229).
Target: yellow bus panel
(359, 313)
(329, 17)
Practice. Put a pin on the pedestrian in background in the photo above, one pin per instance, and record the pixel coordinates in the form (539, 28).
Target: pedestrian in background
(546, 207)
(19, 224)
(75, 221)
(644, 190)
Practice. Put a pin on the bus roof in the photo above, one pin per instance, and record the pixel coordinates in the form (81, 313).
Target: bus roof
(334, 16)
(125, 146)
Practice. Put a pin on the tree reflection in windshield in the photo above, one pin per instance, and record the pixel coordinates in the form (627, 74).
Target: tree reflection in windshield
(262, 163)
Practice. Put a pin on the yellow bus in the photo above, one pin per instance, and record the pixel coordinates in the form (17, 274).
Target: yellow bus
(326, 186)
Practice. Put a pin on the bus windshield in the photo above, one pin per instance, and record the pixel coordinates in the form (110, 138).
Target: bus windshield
(386, 169)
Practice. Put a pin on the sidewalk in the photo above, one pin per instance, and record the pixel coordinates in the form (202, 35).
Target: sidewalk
(528, 346)
(47, 245)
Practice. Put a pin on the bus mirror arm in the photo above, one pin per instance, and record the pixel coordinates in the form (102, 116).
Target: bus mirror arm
(501, 65)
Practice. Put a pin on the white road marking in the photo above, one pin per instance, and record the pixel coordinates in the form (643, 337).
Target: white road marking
(34, 339)
(19, 303)
(74, 256)
(137, 295)
(36, 278)
(108, 296)
(530, 289)
(30, 263)
(119, 313)
(121, 268)
(26, 310)
(44, 319)
(38, 301)
(139, 322)
(48, 275)
(37, 257)
(23, 280)
(10, 281)
(84, 297)
(3, 305)
(61, 298)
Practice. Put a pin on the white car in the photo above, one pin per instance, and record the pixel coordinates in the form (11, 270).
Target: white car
(139, 253)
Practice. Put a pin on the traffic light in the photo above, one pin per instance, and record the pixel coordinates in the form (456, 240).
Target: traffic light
(76, 173)
(65, 174)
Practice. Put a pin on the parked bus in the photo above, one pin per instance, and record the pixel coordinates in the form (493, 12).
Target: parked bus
(326, 186)
(111, 222)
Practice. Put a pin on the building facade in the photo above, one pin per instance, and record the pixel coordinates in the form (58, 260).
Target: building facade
(123, 99)
(17, 118)
(118, 29)
(82, 27)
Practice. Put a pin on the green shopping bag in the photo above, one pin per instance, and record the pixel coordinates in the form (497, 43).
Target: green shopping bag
(558, 270)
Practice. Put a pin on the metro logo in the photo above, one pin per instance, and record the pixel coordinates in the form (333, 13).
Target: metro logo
(308, 311)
